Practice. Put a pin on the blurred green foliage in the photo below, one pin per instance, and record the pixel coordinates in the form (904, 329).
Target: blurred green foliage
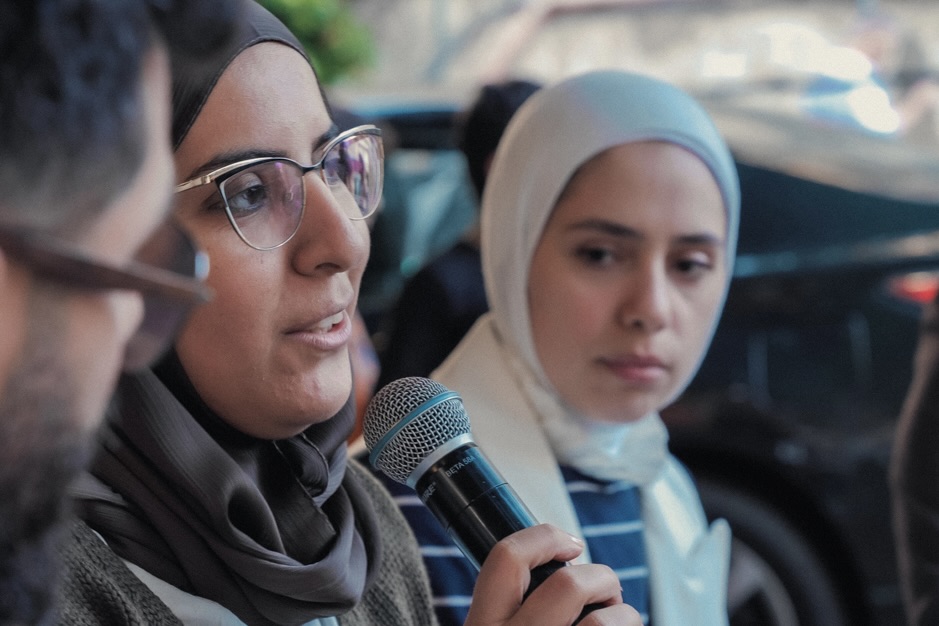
(337, 42)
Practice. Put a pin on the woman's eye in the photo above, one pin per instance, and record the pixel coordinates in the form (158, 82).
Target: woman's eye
(214, 203)
(694, 266)
(247, 194)
(595, 255)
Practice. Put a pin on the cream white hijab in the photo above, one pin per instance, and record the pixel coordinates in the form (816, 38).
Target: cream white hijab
(552, 135)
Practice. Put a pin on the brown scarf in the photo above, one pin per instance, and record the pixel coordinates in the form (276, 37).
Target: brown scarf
(272, 530)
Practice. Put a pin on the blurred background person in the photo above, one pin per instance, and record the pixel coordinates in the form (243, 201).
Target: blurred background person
(440, 303)
(86, 177)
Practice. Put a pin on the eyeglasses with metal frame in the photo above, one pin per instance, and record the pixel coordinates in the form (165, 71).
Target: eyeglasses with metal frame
(265, 197)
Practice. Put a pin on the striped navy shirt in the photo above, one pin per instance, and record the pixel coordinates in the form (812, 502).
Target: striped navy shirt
(609, 516)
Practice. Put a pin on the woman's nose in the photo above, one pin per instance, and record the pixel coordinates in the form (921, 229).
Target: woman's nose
(328, 240)
(647, 299)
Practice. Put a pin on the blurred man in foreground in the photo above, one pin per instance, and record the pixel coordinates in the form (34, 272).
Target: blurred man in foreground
(86, 176)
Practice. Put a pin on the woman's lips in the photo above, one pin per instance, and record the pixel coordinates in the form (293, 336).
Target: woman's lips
(329, 322)
(636, 369)
(327, 334)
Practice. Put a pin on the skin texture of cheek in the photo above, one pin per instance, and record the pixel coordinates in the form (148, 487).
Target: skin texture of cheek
(263, 385)
(225, 348)
(240, 356)
(585, 348)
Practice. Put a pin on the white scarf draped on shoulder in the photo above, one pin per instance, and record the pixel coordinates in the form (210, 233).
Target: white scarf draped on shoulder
(688, 561)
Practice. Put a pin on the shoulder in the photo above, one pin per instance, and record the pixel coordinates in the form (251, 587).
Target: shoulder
(398, 540)
(450, 574)
(420, 521)
(675, 494)
(98, 588)
(680, 482)
(381, 498)
(474, 361)
(679, 477)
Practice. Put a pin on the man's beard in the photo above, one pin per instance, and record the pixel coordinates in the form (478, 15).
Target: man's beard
(42, 448)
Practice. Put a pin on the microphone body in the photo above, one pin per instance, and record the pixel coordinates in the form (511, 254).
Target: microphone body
(472, 500)
(417, 433)
(477, 506)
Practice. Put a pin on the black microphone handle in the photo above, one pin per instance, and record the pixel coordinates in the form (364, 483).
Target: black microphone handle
(478, 507)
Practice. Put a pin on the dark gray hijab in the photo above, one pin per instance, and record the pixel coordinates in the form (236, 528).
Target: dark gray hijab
(275, 531)
(193, 84)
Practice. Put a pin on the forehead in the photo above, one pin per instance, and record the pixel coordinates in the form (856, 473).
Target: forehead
(266, 99)
(645, 180)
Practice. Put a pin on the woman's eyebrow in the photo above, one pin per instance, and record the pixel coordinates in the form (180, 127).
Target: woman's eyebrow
(706, 239)
(227, 158)
(605, 227)
(325, 138)
(619, 230)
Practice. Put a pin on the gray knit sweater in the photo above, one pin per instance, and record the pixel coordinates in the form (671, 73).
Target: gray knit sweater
(99, 589)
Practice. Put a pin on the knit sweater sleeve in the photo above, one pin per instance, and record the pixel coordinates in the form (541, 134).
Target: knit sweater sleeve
(400, 593)
(99, 590)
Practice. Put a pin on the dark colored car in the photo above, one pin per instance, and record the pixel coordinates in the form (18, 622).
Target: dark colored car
(789, 424)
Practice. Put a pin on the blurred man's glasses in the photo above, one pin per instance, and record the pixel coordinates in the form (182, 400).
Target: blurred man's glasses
(168, 271)
(265, 197)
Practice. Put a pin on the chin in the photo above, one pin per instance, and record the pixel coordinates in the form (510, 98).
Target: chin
(624, 412)
(608, 418)
(327, 394)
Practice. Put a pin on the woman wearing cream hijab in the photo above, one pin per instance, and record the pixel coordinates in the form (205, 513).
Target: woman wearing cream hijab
(608, 235)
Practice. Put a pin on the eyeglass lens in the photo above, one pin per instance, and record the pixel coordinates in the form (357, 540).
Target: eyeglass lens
(355, 165)
(265, 201)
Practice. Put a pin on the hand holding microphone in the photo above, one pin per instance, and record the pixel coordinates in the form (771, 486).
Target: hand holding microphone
(418, 434)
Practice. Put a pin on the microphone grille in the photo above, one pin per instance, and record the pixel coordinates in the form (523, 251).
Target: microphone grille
(407, 420)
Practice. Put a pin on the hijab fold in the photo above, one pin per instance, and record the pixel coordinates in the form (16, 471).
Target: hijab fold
(271, 530)
(193, 84)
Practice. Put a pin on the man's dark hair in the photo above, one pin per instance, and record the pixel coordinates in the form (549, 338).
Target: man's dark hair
(72, 131)
(485, 121)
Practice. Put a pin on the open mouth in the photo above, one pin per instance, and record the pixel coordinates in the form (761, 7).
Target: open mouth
(328, 323)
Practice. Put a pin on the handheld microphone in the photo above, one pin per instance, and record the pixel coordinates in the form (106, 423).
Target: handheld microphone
(417, 433)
